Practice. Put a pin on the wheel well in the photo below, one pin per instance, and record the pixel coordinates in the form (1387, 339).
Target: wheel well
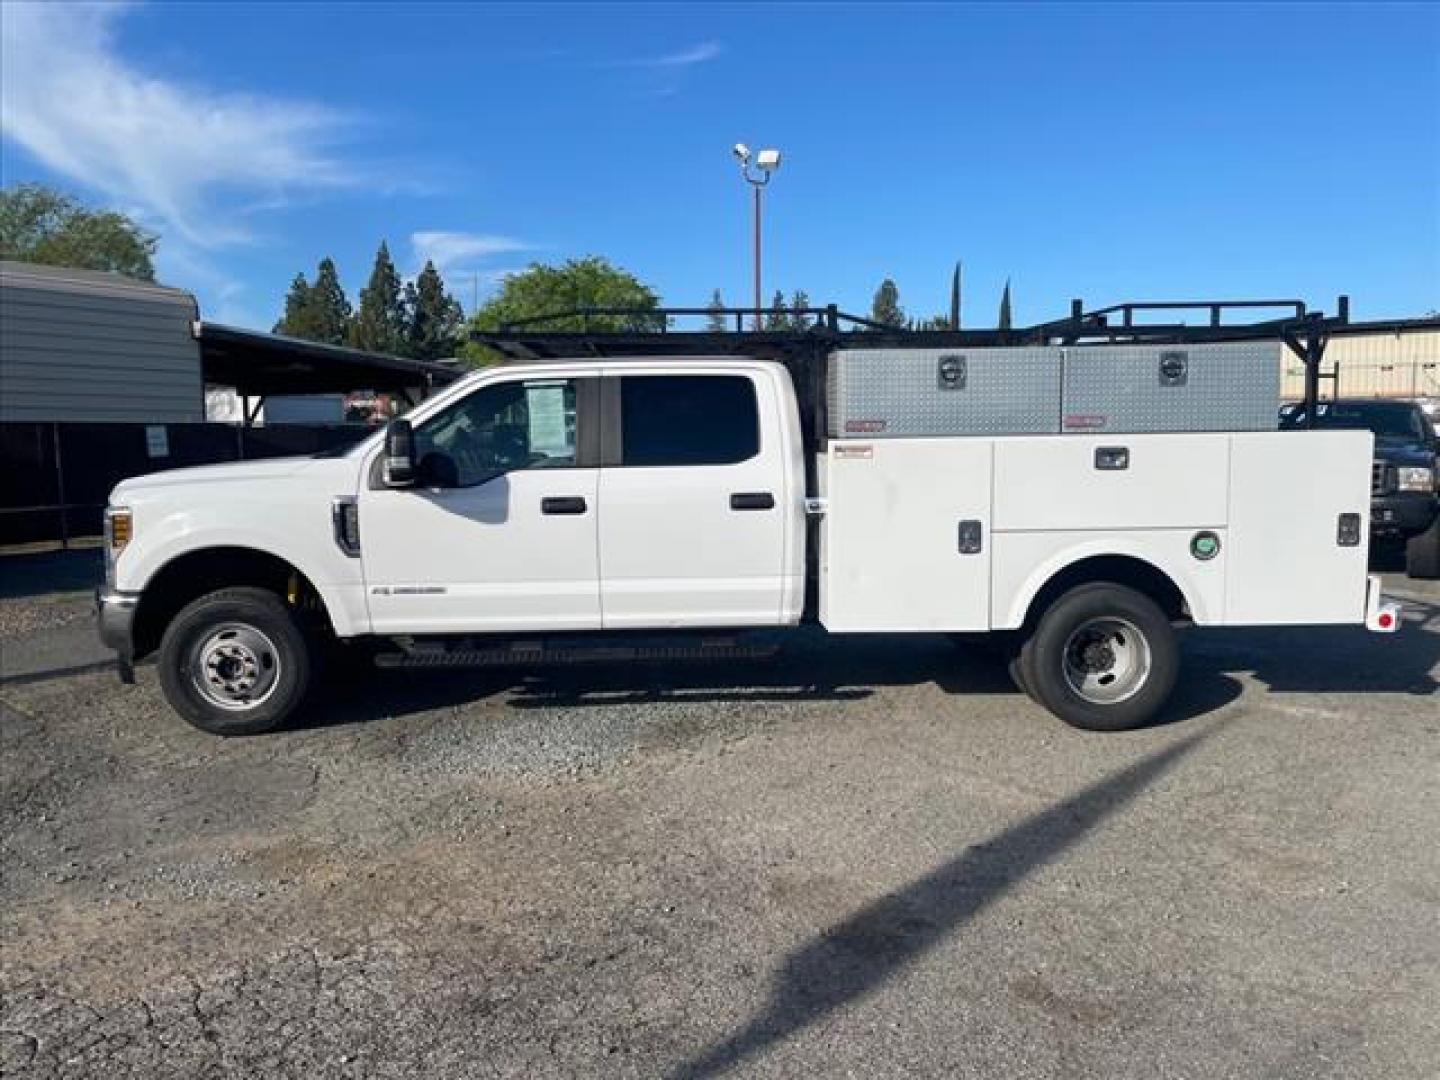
(1125, 570)
(192, 575)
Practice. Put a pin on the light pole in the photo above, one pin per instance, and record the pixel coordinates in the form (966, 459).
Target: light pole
(766, 162)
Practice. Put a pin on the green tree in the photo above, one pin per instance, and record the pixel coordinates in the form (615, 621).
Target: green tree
(41, 225)
(298, 320)
(1005, 307)
(330, 312)
(380, 322)
(799, 301)
(885, 308)
(434, 317)
(778, 317)
(544, 290)
(715, 321)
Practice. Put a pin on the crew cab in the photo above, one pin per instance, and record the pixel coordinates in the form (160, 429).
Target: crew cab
(663, 506)
(1405, 477)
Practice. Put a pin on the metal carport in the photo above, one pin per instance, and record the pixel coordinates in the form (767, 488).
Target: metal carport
(257, 365)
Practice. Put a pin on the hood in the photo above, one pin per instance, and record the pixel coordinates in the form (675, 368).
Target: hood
(1403, 452)
(206, 475)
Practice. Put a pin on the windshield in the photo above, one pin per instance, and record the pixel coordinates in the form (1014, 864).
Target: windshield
(1387, 419)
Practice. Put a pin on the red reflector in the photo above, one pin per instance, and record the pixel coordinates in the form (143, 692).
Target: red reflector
(1386, 620)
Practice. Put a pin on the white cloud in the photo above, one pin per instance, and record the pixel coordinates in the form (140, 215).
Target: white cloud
(171, 150)
(447, 249)
(684, 58)
(696, 54)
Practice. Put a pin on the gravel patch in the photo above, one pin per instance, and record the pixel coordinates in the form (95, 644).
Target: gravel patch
(20, 617)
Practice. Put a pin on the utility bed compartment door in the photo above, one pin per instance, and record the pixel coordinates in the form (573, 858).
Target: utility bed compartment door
(905, 542)
(1111, 482)
(1288, 490)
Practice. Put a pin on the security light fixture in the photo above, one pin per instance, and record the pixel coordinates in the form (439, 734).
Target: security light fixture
(766, 162)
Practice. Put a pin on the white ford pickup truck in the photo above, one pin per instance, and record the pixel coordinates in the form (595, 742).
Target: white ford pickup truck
(531, 511)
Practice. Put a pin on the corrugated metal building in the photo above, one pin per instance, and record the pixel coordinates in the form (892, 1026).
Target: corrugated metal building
(1382, 364)
(80, 345)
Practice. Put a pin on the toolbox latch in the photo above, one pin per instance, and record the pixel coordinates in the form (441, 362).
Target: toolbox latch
(1112, 458)
(1174, 368)
(1347, 530)
(950, 372)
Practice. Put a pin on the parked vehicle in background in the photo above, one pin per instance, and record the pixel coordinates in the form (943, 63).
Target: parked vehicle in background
(1405, 476)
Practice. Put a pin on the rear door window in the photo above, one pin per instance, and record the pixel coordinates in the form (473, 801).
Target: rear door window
(688, 420)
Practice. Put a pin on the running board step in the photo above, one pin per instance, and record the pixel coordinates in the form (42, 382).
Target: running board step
(527, 653)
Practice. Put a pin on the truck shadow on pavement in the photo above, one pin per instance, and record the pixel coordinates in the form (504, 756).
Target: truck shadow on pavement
(851, 960)
(813, 668)
(1327, 659)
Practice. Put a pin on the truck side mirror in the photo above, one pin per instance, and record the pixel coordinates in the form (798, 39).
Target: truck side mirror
(399, 456)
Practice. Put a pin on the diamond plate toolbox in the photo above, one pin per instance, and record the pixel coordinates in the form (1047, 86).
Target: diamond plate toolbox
(1232, 386)
(879, 393)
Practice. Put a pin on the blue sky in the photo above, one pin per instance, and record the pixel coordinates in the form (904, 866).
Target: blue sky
(1102, 151)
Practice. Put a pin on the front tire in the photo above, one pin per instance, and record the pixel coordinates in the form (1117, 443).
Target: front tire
(1103, 657)
(235, 662)
(1422, 553)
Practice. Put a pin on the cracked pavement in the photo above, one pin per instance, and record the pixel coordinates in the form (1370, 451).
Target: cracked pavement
(866, 857)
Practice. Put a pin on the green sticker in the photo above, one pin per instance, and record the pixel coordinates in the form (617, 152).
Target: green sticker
(1205, 545)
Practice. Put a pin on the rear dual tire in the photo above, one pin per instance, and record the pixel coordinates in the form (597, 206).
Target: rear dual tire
(1102, 657)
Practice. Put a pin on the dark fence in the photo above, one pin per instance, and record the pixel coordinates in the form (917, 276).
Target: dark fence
(56, 478)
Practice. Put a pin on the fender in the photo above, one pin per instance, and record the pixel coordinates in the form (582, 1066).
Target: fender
(337, 579)
(1038, 557)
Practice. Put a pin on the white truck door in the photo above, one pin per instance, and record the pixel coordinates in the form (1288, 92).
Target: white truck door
(695, 501)
(499, 534)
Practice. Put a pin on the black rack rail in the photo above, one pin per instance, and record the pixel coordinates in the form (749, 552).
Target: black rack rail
(629, 332)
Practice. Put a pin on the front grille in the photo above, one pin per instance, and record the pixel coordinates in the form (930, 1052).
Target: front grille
(1382, 478)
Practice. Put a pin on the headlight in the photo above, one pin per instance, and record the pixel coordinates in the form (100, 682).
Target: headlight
(1415, 478)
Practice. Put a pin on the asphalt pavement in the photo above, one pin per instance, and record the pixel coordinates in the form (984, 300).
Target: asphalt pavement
(866, 857)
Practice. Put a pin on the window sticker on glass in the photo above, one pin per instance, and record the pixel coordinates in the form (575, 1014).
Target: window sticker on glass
(548, 427)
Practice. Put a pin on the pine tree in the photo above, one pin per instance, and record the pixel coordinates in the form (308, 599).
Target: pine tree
(715, 321)
(330, 309)
(433, 322)
(955, 298)
(379, 324)
(799, 301)
(778, 317)
(885, 309)
(297, 321)
(1005, 307)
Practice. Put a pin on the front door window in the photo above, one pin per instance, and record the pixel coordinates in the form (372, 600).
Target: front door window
(499, 429)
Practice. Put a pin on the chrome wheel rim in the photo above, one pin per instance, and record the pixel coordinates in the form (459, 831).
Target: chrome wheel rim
(1107, 660)
(236, 667)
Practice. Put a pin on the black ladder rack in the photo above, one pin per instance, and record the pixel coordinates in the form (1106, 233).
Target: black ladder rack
(632, 332)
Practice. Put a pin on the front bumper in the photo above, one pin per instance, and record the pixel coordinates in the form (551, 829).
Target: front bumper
(1402, 513)
(116, 616)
